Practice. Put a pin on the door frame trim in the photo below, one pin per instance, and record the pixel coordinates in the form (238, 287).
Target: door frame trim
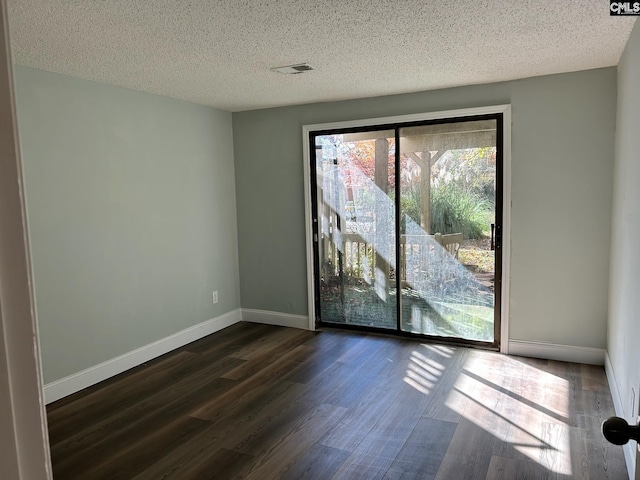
(505, 110)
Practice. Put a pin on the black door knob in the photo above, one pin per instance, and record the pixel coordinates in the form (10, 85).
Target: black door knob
(619, 432)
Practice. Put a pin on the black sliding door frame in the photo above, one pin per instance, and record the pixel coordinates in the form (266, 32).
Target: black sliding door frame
(311, 157)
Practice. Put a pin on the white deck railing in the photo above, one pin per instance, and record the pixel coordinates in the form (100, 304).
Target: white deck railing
(417, 251)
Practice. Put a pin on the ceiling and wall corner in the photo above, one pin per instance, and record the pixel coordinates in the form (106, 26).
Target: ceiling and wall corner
(220, 53)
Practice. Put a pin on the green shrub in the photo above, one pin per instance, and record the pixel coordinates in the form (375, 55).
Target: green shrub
(453, 210)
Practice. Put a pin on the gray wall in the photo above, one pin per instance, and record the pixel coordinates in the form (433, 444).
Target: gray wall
(624, 305)
(563, 141)
(131, 206)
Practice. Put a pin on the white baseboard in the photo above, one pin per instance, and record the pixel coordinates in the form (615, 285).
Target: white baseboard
(73, 383)
(628, 449)
(275, 318)
(552, 351)
(613, 385)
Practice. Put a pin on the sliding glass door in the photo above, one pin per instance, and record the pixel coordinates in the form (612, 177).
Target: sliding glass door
(448, 212)
(356, 216)
(407, 228)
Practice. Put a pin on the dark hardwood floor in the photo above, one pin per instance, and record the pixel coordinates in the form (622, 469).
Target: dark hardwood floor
(263, 402)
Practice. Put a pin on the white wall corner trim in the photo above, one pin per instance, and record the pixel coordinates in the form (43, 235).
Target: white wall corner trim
(275, 318)
(629, 451)
(73, 383)
(552, 351)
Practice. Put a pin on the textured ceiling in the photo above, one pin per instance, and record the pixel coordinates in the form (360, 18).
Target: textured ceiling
(218, 52)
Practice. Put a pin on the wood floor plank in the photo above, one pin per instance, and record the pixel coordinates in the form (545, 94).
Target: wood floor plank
(256, 414)
(379, 448)
(571, 373)
(283, 401)
(237, 334)
(421, 455)
(229, 340)
(267, 353)
(172, 400)
(469, 453)
(253, 442)
(220, 463)
(524, 419)
(144, 381)
(325, 350)
(271, 372)
(137, 457)
(501, 468)
(445, 403)
(318, 463)
(275, 339)
(556, 454)
(250, 415)
(283, 449)
(111, 398)
(359, 420)
(226, 433)
(263, 402)
(104, 442)
(352, 383)
(256, 419)
(593, 378)
(372, 349)
(604, 459)
(579, 459)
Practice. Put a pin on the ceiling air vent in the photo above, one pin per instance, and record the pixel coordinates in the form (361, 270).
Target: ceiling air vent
(293, 69)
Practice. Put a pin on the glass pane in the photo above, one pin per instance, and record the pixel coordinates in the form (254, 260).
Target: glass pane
(356, 214)
(448, 188)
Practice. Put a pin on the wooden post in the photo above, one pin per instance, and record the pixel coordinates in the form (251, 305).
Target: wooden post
(425, 161)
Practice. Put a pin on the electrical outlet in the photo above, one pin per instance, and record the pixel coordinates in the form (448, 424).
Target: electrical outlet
(215, 297)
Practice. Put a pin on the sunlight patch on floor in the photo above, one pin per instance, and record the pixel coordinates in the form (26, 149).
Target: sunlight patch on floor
(440, 350)
(519, 404)
(422, 372)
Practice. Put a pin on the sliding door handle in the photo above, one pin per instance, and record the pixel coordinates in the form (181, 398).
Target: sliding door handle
(493, 238)
(496, 236)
